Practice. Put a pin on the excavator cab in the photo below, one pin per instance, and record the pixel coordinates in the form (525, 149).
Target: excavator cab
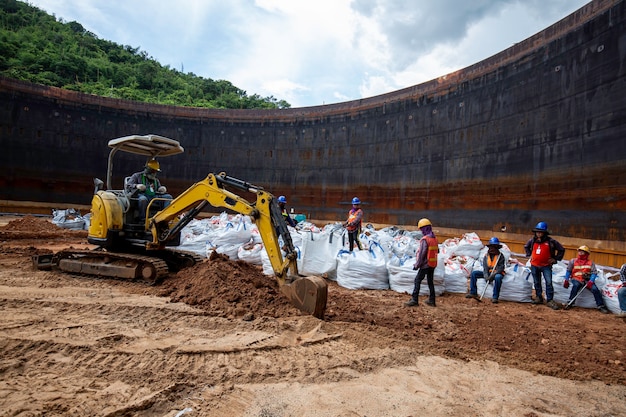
(116, 217)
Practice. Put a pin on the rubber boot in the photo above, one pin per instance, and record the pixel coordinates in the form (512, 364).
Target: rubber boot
(411, 303)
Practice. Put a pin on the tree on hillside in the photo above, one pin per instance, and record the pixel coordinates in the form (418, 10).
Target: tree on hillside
(35, 47)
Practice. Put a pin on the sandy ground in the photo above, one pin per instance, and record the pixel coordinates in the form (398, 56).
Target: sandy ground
(219, 340)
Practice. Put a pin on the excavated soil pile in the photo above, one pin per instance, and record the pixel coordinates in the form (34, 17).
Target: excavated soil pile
(30, 227)
(228, 288)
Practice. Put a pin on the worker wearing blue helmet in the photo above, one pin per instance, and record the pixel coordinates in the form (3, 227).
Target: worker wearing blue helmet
(353, 224)
(493, 271)
(282, 204)
(543, 252)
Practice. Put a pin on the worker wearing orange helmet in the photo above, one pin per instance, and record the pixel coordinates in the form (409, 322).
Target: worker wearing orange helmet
(425, 263)
(582, 272)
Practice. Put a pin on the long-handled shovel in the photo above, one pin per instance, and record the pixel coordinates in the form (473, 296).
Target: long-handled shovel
(573, 300)
(490, 278)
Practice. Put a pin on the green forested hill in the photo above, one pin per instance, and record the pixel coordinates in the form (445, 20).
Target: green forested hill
(35, 47)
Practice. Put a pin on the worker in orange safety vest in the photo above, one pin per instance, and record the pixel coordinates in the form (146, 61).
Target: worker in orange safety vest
(425, 263)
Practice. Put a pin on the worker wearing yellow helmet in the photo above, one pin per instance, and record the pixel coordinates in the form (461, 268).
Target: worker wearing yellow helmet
(145, 186)
(425, 263)
(582, 272)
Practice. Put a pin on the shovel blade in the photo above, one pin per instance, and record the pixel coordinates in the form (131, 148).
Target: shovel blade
(308, 294)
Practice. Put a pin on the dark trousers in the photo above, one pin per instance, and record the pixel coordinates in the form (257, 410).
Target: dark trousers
(353, 237)
(429, 273)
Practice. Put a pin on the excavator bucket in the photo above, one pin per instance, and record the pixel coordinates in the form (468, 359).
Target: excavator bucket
(308, 294)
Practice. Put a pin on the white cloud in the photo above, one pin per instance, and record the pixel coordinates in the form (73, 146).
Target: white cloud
(313, 53)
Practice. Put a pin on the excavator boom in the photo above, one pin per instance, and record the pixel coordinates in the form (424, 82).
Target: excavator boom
(308, 294)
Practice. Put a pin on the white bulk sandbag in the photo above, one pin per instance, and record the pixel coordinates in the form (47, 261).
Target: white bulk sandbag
(469, 245)
(268, 269)
(319, 252)
(561, 295)
(251, 253)
(363, 269)
(609, 294)
(228, 237)
(517, 285)
(296, 236)
(404, 244)
(230, 250)
(68, 219)
(231, 233)
(455, 274)
(402, 277)
(197, 243)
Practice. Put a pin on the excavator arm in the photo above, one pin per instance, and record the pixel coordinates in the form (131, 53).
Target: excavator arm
(309, 294)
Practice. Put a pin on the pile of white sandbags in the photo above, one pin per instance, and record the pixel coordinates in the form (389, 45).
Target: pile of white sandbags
(385, 260)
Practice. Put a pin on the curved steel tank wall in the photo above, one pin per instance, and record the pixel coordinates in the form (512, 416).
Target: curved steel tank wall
(533, 133)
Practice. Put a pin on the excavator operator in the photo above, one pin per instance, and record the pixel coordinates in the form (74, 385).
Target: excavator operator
(145, 186)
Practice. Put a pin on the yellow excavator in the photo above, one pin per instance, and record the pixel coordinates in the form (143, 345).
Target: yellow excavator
(133, 248)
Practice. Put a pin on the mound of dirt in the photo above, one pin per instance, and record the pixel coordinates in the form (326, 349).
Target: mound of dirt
(31, 227)
(228, 289)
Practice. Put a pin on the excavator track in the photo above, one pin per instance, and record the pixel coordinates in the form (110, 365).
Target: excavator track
(100, 263)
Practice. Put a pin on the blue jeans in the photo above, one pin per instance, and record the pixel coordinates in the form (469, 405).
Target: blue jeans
(621, 297)
(497, 283)
(597, 295)
(537, 271)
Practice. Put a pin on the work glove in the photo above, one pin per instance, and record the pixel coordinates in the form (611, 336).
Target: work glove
(589, 285)
(566, 283)
(415, 268)
(162, 190)
(141, 187)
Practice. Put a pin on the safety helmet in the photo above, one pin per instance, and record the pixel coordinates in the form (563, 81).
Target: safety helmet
(153, 164)
(282, 199)
(494, 241)
(356, 200)
(423, 222)
(541, 227)
(585, 248)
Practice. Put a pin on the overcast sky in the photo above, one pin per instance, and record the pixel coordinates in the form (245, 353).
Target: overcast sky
(314, 52)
